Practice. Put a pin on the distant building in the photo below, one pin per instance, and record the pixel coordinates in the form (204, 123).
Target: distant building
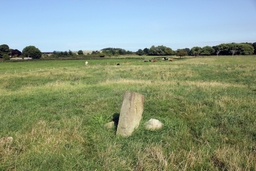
(47, 53)
(15, 53)
(85, 52)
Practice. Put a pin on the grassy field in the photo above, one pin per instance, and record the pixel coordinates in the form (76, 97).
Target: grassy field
(56, 110)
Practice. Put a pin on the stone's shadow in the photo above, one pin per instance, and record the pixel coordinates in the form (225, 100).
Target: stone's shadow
(116, 119)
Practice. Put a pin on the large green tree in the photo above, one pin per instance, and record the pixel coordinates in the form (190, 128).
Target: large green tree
(115, 51)
(168, 51)
(187, 50)
(160, 51)
(80, 52)
(146, 51)
(207, 51)
(152, 50)
(245, 49)
(235, 48)
(32, 51)
(121, 51)
(181, 52)
(4, 50)
(70, 53)
(140, 52)
(195, 51)
(222, 49)
(217, 50)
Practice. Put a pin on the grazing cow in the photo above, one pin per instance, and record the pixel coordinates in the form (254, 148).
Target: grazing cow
(117, 64)
(86, 63)
(154, 60)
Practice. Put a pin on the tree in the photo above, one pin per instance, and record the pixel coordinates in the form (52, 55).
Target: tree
(187, 50)
(65, 53)
(195, 51)
(233, 48)
(160, 51)
(254, 46)
(140, 52)
(4, 50)
(233, 51)
(222, 49)
(181, 52)
(6, 57)
(146, 51)
(115, 51)
(32, 51)
(207, 51)
(128, 52)
(152, 50)
(121, 51)
(70, 53)
(217, 50)
(80, 52)
(245, 49)
(168, 51)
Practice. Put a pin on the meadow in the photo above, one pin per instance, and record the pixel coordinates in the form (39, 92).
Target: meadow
(55, 112)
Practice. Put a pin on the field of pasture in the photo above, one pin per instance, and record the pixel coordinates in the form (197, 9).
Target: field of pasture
(55, 112)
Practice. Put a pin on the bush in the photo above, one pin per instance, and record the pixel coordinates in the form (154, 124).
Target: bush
(6, 57)
(31, 51)
(4, 49)
(80, 52)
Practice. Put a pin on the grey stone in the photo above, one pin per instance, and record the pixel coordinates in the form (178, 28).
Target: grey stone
(110, 125)
(130, 114)
(153, 124)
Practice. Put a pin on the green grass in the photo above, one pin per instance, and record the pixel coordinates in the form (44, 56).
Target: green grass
(56, 110)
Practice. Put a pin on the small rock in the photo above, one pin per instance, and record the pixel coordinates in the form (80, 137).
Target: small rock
(9, 139)
(110, 125)
(153, 124)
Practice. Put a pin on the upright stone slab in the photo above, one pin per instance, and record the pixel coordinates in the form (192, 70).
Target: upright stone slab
(130, 114)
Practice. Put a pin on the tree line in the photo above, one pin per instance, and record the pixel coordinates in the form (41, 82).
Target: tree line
(101, 53)
(115, 51)
(222, 49)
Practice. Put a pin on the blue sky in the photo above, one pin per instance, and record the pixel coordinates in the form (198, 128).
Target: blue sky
(64, 25)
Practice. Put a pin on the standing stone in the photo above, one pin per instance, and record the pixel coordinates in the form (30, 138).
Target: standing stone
(130, 114)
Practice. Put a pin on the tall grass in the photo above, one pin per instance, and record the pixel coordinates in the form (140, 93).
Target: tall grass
(56, 110)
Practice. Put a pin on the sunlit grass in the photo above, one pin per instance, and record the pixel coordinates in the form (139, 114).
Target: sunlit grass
(56, 110)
